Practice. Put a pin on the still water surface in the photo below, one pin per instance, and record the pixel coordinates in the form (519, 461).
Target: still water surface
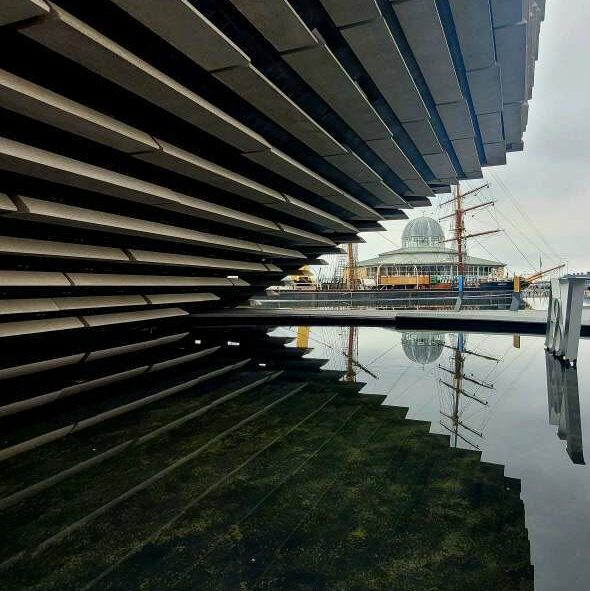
(295, 458)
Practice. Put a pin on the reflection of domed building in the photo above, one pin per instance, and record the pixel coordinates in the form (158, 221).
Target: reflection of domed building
(423, 347)
(423, 260)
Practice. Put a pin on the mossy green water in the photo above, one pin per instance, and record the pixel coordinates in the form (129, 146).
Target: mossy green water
(300, 483)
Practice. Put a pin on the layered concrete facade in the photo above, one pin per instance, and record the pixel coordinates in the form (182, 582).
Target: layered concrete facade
(160, 158)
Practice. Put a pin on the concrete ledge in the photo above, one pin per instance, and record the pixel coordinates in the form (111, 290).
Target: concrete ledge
(67, 215)
(70, 37)
(13, 11)
(186, 29)
(521, 322)
(36, 102)
(278, 23)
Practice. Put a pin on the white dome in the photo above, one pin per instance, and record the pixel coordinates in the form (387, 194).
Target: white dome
(422, 231)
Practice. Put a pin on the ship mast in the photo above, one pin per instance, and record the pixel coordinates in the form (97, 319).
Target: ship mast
(352, 279)
(459, 230)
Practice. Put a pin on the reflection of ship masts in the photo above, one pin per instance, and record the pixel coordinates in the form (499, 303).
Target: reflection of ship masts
(472, 380)
(457, 389)
(350, 375)
(456, 434)
(358, 364)
(444, 414)
(468, 352)
(465, 393)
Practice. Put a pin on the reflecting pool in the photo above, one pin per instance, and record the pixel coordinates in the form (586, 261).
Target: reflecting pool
(294, 458)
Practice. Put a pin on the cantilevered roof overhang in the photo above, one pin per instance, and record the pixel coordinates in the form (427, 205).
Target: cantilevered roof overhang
(258, 134)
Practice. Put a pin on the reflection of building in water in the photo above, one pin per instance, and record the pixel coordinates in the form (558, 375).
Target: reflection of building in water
(564, 405)
(423, 347)
(263, 471)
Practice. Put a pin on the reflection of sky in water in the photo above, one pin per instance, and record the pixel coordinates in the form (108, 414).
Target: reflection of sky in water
(515, 426)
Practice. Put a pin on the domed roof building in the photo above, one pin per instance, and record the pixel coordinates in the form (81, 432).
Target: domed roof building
(424, 260)
(422, 231)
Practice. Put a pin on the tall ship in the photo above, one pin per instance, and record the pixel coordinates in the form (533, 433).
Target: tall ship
(429, 264)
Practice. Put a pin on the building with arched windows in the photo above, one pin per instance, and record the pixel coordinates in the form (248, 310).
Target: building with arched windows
(424, 260)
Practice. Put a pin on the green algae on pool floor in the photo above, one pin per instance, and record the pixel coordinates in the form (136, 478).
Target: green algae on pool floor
(295, 483)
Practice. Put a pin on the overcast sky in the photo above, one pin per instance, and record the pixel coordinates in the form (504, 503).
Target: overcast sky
(550, 180)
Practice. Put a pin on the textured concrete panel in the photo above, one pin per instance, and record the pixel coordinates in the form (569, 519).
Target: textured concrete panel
(486, 90)
(473, 24)
(186, 260)
(456, 119)
(423, 136)
(316, 215)
(495, 153)
(187, 164)
(394, 157)
(513, 123)
(186, 29)
(119, 280)
(262, 94)
(300, 237)
(12, 11)
(351, 165)
(35, 327)
(421, 24)
(74, 39)
(6, 204)
(440, 165)
(511, 51)
(384, 193)
(80, 303)
(31, 247)
(323, 72)
(508, 12)
(418, 188)
(16, 157)
(181, 298)
(290, 169)
(278, 22)
(515, 147)
(376, 49)
(33, 279)
(351, 11)
(31, 100)
(467, 155)
(27, 306)
(69, 216)
(490, 126)
(124, 317)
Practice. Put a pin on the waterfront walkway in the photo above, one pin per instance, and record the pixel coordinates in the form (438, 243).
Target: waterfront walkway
(522, 321)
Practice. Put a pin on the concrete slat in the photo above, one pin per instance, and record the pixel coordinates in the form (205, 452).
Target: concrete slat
(323, 72)
(24, 97)
(70, 37)
(430, 50)
(277, 22)
(186, 29)
(374, 46)
(13, 11)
